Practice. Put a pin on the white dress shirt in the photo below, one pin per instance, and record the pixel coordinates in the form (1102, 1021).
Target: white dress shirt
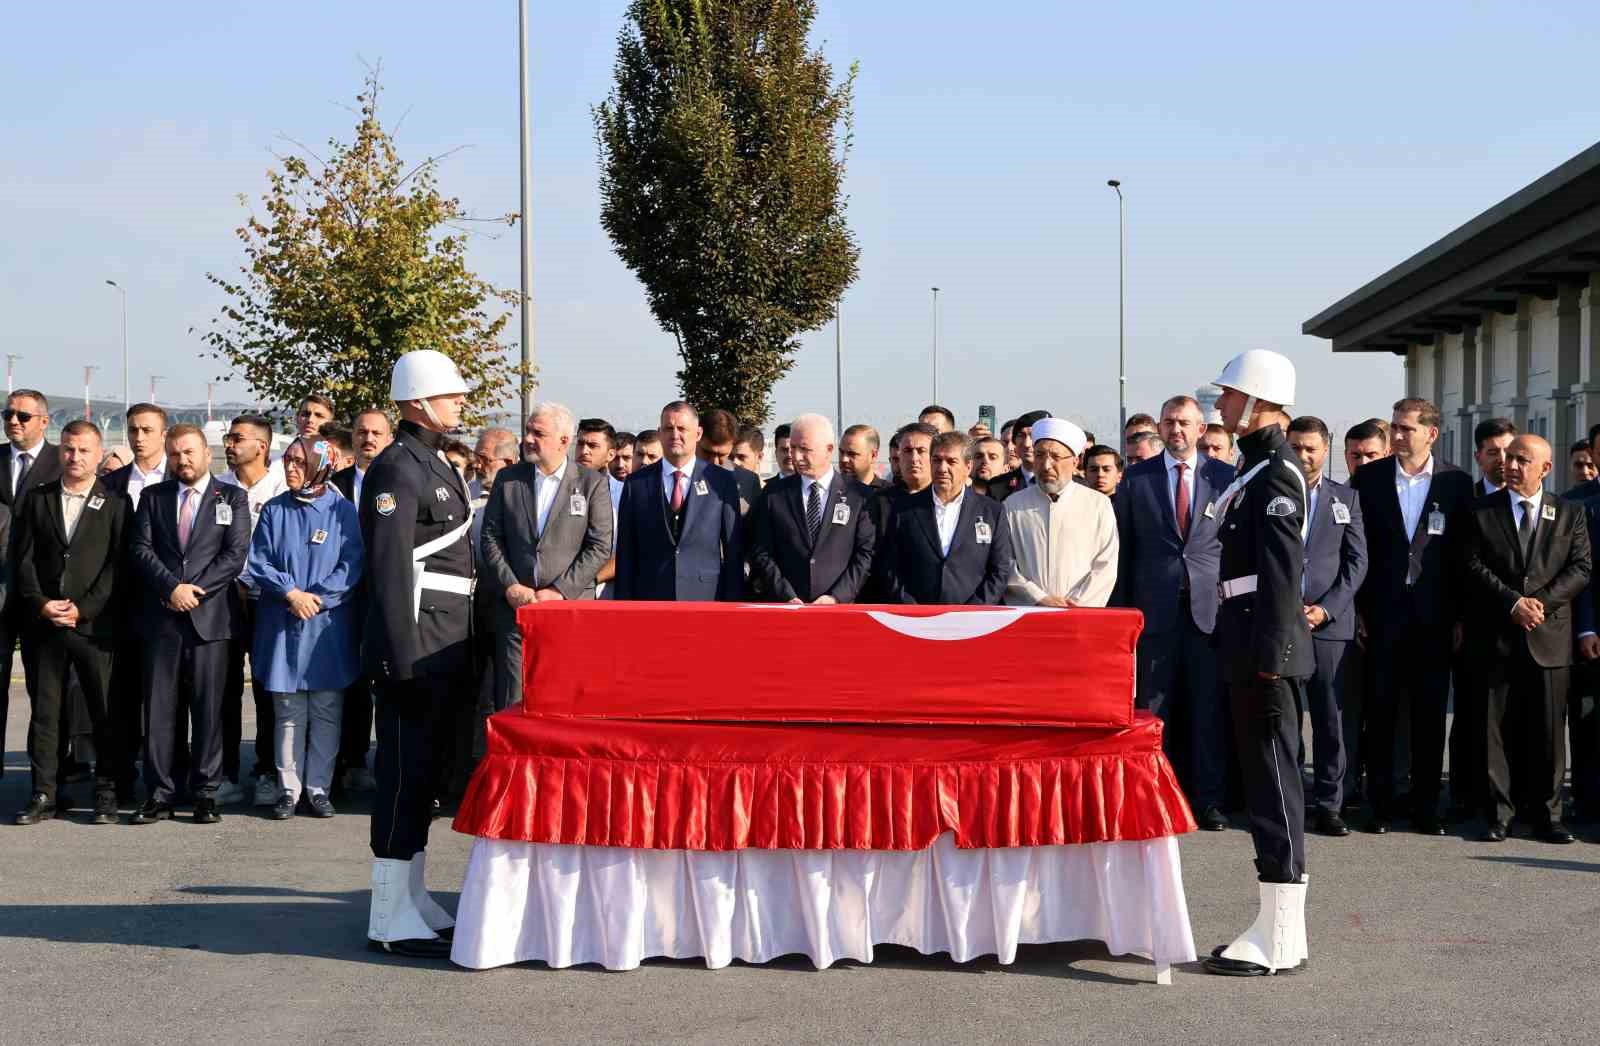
(1170, 463)
(1413, 493)
(33, 459)
(355, 488)
(72, 507)
(945, 517)
(1489, 488)
(544, 494)
(826, 482)
(668, 480)
(1517, 508)
(138, 479)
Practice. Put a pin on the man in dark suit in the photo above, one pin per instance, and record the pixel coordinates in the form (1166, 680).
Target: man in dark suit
(949, 544)
(1167, 569)
(1585, 729)
(1528, 557)
(1490, 438)
(1008, 483)
(1410, 607)
(1335, 565)
(1589, 488)
(191, 535)
(719, 432)
(780, 455)
(858, 456)
(679, 534)
(25, 462)
(813, 536)
(546, 534)
(69, 547)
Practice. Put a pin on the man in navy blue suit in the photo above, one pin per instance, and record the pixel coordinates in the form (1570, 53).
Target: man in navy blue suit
(679, 535)
(949, 544)
(1336, 564)
(1167, 568)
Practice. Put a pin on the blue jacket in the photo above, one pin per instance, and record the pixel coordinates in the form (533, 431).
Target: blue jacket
(1336, 559)
(707, 560)
(1153, 558)
(322, 653)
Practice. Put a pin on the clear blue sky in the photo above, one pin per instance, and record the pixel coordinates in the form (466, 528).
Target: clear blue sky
(1275, 157)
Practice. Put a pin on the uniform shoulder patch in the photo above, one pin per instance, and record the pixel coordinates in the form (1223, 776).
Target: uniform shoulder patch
(384, 503)
(1281, 506)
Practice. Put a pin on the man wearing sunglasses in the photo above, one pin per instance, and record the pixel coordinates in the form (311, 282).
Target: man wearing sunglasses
(25, 462)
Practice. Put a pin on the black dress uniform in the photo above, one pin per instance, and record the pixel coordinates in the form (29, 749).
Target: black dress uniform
(415, 522)
(1261, 628)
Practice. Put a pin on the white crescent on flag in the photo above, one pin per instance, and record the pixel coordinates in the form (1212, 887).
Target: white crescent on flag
(957, 624)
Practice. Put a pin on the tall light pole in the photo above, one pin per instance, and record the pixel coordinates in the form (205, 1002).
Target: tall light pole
(11, 363)
(88, 375)
(1122, 272)
(209, 385)
(936, 345)
(838, 368)
(527, 213)
(153, 379)
(126, 401)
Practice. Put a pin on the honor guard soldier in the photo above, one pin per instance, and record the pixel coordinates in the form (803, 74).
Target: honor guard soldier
(415, 522)
(1264, 652)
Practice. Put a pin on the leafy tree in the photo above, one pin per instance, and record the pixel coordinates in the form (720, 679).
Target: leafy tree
(358, 260)
(722, 147)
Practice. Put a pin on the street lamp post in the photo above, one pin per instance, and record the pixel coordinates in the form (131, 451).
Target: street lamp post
(528, 384)
(11, 363)
(153, 379)
(838, 367)
(1122, 270)
(126, 401)
(936, 345)
(88, 375)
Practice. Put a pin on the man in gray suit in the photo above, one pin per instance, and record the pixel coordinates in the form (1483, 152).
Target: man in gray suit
(1335, 566)
(546, 534)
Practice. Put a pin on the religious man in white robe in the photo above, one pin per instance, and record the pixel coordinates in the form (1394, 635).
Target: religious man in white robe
(1063, 534)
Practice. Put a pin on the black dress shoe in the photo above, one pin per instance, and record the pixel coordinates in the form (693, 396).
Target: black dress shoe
(436, 948)
(40, 808)
(1330, 823)
(1377, 824)
(1428, 826)
(1496, 832)
(105, 808)
(1556, 832)
(151, 812)
(1215, 963)
(205, 811)
(1211, 820)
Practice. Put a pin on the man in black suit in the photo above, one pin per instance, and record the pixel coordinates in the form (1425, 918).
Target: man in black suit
(1335, 565)
(719, 432)
(1410, 607)
(1527, 558)
(949, 544)
(781, 455)
(858, 456)
(1006, 484)
(1589, 488)
(69, 546)
(1490, 438)
(25, 462)
(191, 535)
(813, 536)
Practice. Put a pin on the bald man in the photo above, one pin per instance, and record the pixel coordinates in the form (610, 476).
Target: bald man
(1528, 559)
(813, 537)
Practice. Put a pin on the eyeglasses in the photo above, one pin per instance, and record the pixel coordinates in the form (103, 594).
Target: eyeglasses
(19, 415)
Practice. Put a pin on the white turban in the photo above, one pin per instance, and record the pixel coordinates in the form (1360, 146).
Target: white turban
(1063, 432)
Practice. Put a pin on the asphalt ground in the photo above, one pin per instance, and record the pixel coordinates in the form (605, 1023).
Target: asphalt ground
(253, 931)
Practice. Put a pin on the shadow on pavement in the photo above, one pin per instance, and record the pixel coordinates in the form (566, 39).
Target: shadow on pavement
(279, 921)
(1553, 863)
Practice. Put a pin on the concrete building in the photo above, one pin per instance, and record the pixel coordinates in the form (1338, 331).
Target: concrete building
(1501, 318)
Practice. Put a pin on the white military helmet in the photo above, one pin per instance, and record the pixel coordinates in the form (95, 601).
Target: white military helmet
(423, 373)
(1260, 374)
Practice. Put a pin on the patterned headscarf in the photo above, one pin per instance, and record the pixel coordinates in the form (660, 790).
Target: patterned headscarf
(319, 458)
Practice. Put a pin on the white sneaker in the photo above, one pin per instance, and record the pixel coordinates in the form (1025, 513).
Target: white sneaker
(267, 790)
(229, 793)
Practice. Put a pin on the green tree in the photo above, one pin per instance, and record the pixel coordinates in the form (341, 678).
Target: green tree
(722, 149)
(356, 261)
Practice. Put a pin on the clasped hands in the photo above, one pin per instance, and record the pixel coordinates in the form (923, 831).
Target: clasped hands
(63, 613)
(522, 595)
(1528, 612)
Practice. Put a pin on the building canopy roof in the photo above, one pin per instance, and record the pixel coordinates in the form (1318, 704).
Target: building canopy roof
(1535, 241)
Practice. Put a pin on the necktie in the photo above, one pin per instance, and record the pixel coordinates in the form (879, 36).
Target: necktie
(814, 511)
(678, 485)
(1525, 532)
(1180, 501)
(185, 517)
(23, 461)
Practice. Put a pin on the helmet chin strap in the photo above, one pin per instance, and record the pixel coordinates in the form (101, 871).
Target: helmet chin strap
(1242, 428)
(427, 409)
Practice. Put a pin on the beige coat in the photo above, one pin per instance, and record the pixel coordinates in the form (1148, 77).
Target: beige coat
(1063, 548)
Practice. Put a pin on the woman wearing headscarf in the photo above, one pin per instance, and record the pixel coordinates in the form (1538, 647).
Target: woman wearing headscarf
(306, 558)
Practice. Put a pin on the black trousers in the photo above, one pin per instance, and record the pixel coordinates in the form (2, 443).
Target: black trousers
(1266, 730)
(181, 670)
(1353, 706)
(1526, 739)
(9, 634)
(1584, 731)
(233, 704)
(126, 701)
(1407, 661)
(1178, 683)
(54, 652)
(414, 720)
(1325, 701)
(355, 730)
(1469, 759)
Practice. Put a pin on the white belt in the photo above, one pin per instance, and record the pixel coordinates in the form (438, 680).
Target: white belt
(1239, 586)
(461, 586)
(422, 578)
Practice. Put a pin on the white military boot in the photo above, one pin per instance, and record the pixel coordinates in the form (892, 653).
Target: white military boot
(1275, 942)
(394, 924)
(438, 920)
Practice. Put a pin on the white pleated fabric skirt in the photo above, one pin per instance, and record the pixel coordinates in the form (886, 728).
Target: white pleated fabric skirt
(567, 905)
